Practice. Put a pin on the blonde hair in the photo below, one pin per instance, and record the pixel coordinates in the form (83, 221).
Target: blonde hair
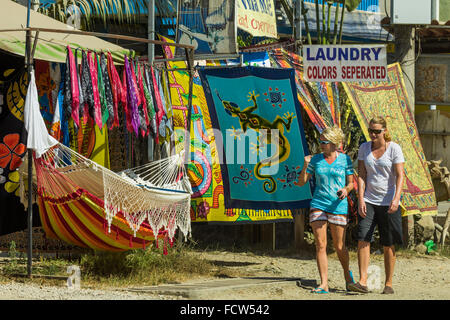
(381, 120)
(334, 135)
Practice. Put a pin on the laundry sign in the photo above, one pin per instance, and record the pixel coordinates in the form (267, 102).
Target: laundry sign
(344, 63)
(257, 17)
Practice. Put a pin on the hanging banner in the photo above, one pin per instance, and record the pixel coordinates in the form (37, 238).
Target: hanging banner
(260, 141)
(257, 17)
(345, 63)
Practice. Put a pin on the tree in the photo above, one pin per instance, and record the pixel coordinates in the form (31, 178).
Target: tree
(324, 33)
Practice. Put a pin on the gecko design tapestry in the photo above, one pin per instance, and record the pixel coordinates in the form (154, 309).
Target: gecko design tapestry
(258, 129)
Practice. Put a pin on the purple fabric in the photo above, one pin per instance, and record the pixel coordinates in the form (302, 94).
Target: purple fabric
(132, 99)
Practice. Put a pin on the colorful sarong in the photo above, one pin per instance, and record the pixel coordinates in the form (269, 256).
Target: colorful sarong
(390, 100)
(207, 202)
(260, 179)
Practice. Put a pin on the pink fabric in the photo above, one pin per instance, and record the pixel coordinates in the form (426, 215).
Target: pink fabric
(74, 88)
(144, 103)
(135, 85)
(125, 104)
(116, 86)
(94, 77)
(159, 103)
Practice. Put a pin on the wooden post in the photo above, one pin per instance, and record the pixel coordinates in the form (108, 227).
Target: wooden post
(28, 62)
(405, 55)
(273, 236)
(299, 228)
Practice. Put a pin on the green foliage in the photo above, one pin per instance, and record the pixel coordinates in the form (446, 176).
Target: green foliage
(149, 266)
(324, 34)
(12, 253)
(352, 4)
(244, 41)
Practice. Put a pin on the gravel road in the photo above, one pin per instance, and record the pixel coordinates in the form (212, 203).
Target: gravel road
(420, 277)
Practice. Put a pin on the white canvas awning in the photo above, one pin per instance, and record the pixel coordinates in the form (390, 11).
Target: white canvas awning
(50, 46)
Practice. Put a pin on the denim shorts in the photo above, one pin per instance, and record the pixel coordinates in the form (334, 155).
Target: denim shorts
(389, 225)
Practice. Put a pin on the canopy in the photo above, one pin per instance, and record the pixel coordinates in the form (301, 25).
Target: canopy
(50, 46)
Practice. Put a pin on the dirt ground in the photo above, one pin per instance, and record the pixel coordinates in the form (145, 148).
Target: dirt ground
(416, 276)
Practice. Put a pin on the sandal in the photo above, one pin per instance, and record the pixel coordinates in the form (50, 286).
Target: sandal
(319, 290)
(352, 281)
(388, 290)
(357, 287)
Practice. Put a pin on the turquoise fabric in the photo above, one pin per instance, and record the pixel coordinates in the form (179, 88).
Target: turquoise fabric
(329, 179)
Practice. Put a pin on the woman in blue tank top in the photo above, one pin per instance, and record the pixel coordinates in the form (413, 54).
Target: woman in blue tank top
(333, 172)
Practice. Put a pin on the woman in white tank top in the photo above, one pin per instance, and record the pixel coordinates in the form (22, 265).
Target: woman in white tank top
(380, 181)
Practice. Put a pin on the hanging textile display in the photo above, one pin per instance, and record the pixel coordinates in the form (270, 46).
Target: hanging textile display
(96, 95)
(14, 82)
(87, 205)
(207, 202)
(259, 105)
(46, 87)
(390, 99)
(179, 91)
(285, 59)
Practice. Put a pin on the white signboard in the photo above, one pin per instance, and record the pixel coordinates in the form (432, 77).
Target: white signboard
(257, 17)
(344, 63)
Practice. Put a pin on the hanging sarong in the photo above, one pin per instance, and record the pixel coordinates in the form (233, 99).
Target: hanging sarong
(133, 111)
(86, 88)
(75, 97)
(260, 178)
(94, 78)
(390, 100)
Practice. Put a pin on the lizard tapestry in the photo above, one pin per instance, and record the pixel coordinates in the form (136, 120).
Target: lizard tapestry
(258, 130)
(390, 99)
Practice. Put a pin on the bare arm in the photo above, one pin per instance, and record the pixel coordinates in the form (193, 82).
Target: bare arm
(349, 187)
(362, 175)
(400, 175)
(304, 176)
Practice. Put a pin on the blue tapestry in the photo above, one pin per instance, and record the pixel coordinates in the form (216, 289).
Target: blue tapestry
(258, 129)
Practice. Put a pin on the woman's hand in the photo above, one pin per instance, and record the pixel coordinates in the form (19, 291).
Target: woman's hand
(342, 193)
(307, 161)
(362, 208)
(394, 206)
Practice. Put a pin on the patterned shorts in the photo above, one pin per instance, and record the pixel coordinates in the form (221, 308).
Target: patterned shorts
(320, 215)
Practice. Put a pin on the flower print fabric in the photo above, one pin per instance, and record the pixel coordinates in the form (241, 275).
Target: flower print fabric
(11, 151)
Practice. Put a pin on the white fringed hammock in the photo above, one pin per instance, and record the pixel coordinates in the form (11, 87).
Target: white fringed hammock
(158, 192)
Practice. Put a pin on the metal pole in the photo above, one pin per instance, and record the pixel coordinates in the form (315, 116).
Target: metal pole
(190, 65)
(30, 156)
(151, 30)
(178, 21)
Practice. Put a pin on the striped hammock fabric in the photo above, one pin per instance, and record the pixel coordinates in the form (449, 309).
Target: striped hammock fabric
(87, 205)
(79, 219)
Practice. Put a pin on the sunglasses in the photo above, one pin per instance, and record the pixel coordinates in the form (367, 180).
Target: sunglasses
(376, 131)
(324, 142)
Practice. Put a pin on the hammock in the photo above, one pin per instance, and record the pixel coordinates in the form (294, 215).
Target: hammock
(88, 205)
(78, 198)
